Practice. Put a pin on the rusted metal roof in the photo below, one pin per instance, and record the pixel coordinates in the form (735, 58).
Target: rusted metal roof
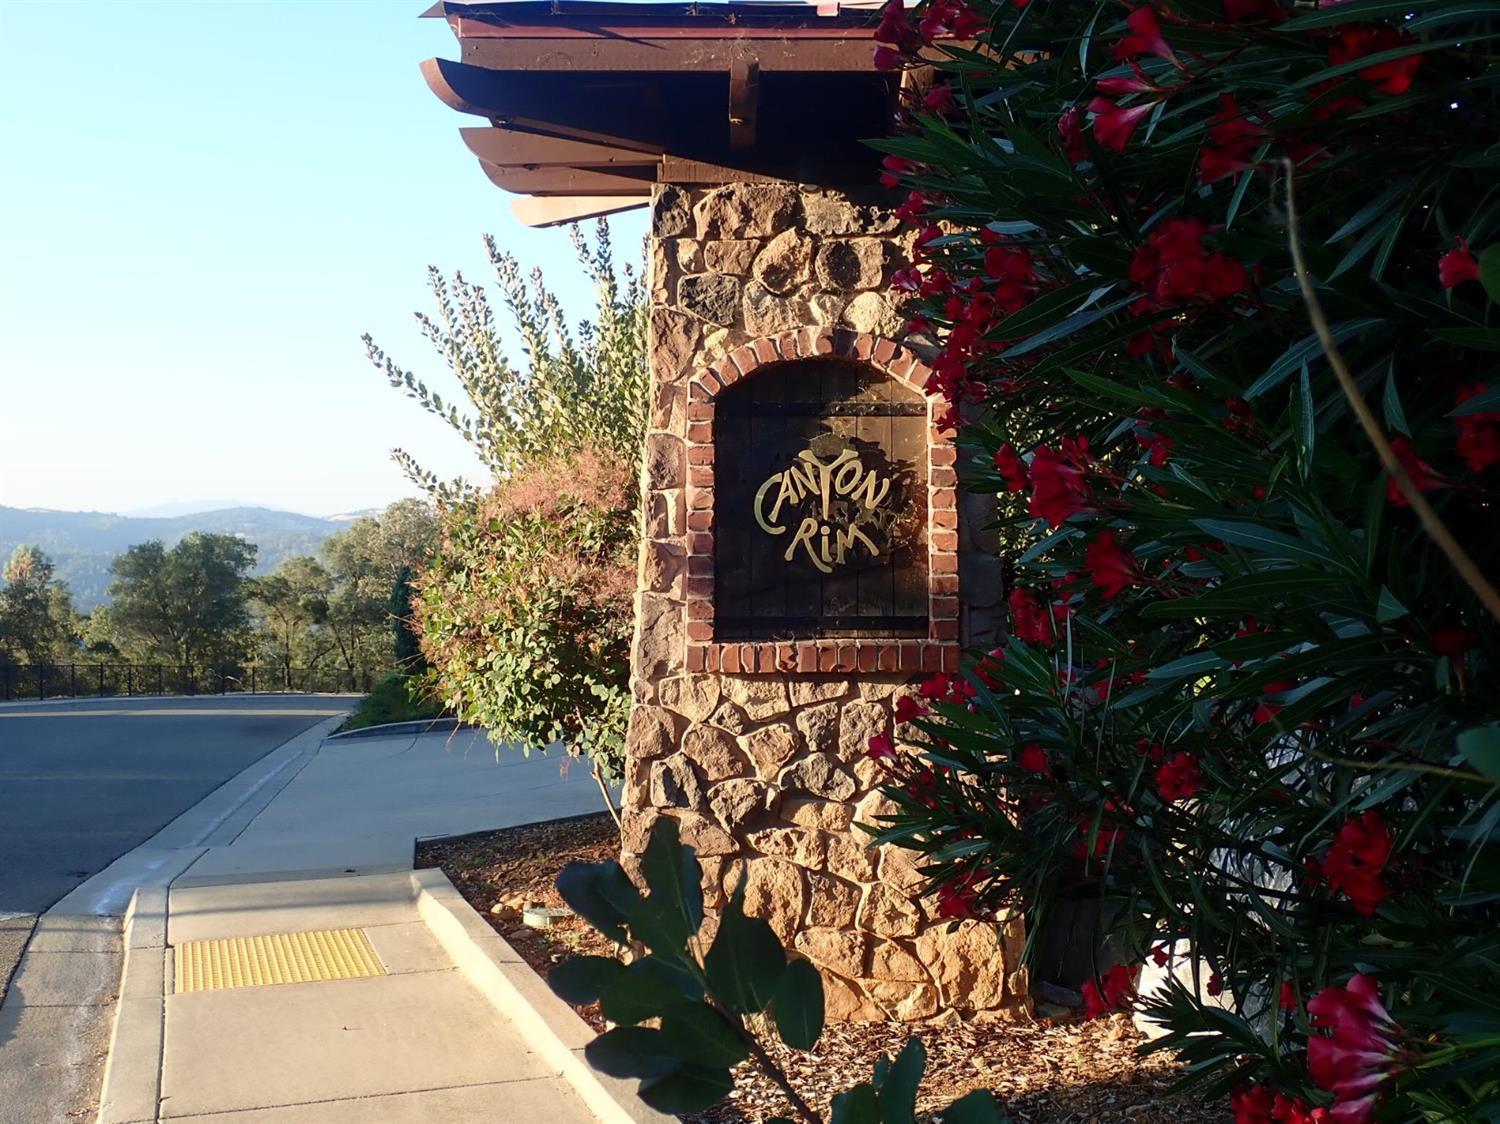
(603, 99)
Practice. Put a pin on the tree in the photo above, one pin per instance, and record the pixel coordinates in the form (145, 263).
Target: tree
(184, 606)
(293, 603)
(37, 621)
(406, 645)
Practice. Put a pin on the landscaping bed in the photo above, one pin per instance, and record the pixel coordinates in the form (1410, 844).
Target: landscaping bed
(1057, 1072)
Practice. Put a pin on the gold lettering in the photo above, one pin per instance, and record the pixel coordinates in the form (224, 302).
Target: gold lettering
(803, 538)
(820, 538)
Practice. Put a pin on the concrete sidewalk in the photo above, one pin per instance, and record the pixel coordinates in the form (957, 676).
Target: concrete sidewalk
(322, 840)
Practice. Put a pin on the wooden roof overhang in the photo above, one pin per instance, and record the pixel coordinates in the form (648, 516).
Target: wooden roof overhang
(590, 102)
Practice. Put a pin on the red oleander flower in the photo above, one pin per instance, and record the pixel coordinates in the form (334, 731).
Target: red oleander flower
(1012, 468)
(1110, 992)
(1030, 623)
(1215, 987)
(1070, 130)
(1288, 1001)
(1145, 36)
(1361, 1053)
(1257, 1104)
(1161, 956)
(1458, 265)
(939, 99)
(1478, 434)
(1058, 487)
(958, 899)
(1242, 10)
(988, 669)
(1357, 860)
(888, 58)
(949, 18)
(881, 748)
(894, 167)
(1232, 137)
(1158, 446)
(1452, 641)
(935, 689)
(1266, 711)
(1392, 77)
(1179, 778)
(1114, 124)
(1175, 267)
(1111, 567)
(1424, 477)
(1034, 760)
(908, 709)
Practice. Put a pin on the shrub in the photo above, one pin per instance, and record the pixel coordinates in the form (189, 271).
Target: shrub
(396, 697)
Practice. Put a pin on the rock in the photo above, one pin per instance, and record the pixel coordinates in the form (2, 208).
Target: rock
(663, 565)
(903, 1000)
(714, 871)
(635, 828)
(820, 815)
(899, 869)
(636, 792)
(891, 960)
(851, 857)
(819, 775)
(713, 297)
(730, 717)
(692, 696)
(806, 691)
(704, 836)
(837, 950)
(871, 314)
(686, 251)
(774, 891)
(855, 263)
(760, 698)
(663, 461)
(735, 801)
(827, 308)
(669, 212)
(767, 314)
(745, 210)
(715, 753)
(785, 262)
(860, 722)
(826, 213)
(674, 784)
(874, 805)
(502, 912)
(801, 846)
(968, 963)
(658, 641)
(844, 1002)
(770, 747)
(732, 256)
(820, 727)
(889, 913)
(651, 733)
(659, 271)
(832, 902)
(876, 690)
(674, 335)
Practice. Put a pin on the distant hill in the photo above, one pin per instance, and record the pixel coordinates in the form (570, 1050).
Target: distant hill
(84, 543)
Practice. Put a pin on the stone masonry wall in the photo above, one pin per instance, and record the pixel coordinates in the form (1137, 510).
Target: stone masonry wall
(767, 773)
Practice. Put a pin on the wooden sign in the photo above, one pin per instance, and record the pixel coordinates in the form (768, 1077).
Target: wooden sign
(820, 504)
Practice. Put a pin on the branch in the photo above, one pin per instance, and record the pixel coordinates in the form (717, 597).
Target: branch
(1431, 523)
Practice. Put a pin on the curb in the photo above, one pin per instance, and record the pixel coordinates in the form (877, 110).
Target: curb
(131, 1087)
(400, 729)
(545, 1022)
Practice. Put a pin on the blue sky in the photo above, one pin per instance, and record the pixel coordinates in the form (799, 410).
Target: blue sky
(202, 207)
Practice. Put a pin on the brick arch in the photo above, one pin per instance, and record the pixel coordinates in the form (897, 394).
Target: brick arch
(939, 651)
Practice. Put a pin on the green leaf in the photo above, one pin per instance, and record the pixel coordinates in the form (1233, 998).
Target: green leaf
(1484, 402)
(645, 990)
(582, 979)
(690, 1089)
(631, 1051)
(675, 909)
(1480, 339)
(798, 1005)
(898, 1092)
(1489, 271)
(978, 1107)
(1480, 747)
(601, 894)
(700, 1035)
(746, 961)
(1388, 608)
(1303, 351)
(1395, 417)
(1305, 415)
(1263, 540)
(856, 1106)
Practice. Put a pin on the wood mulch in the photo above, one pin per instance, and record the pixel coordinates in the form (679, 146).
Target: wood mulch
(1041, 1071)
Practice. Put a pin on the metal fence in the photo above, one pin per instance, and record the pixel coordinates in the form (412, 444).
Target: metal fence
(105, 680)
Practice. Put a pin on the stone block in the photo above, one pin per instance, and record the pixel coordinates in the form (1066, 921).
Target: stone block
(820, 815)
(820, 775)
(768, 314)
(844, 1002)
(670, 212)
(739, 800)
(853, 263)
(889, 913)
(729, 716)
(820, 727)
(893, 960)
(659, 638)
(968, 962)
(837, 950)
(715, 753)
(758, 698)
(663, 567)
(652, 732)
(745, 210)
(827, 308)
(871, 314)
(770, 747)
(902, 1000)
(828, 213)
(799, 844)
(635, 828)
(899, 869)
(732, 256)
(851, 856)
(775, 891)
(860, 722)
(832, 902)
(692, 696)
(805, 691)
(663, 461)
(674, 784)
(705, 836)
(674, 337)
(713, 297)
(785, 262)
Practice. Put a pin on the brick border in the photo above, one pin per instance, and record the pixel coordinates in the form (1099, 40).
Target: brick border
(940, 650)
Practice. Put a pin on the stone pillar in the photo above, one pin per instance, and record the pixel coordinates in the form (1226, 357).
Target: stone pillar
(758, 750)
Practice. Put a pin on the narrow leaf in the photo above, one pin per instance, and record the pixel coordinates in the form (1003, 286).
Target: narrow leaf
(798, 1005)
(1480, 747)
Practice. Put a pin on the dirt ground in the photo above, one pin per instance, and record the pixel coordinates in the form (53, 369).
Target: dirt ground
(1042, 1072)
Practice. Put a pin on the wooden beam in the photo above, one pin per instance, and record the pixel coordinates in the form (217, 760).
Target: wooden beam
(677, 169)
(559, 209)
(744, 103)
(514, 148)
(855, 53)
(567, 181)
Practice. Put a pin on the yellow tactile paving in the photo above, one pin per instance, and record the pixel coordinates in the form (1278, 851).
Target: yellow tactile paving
(323, 954)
